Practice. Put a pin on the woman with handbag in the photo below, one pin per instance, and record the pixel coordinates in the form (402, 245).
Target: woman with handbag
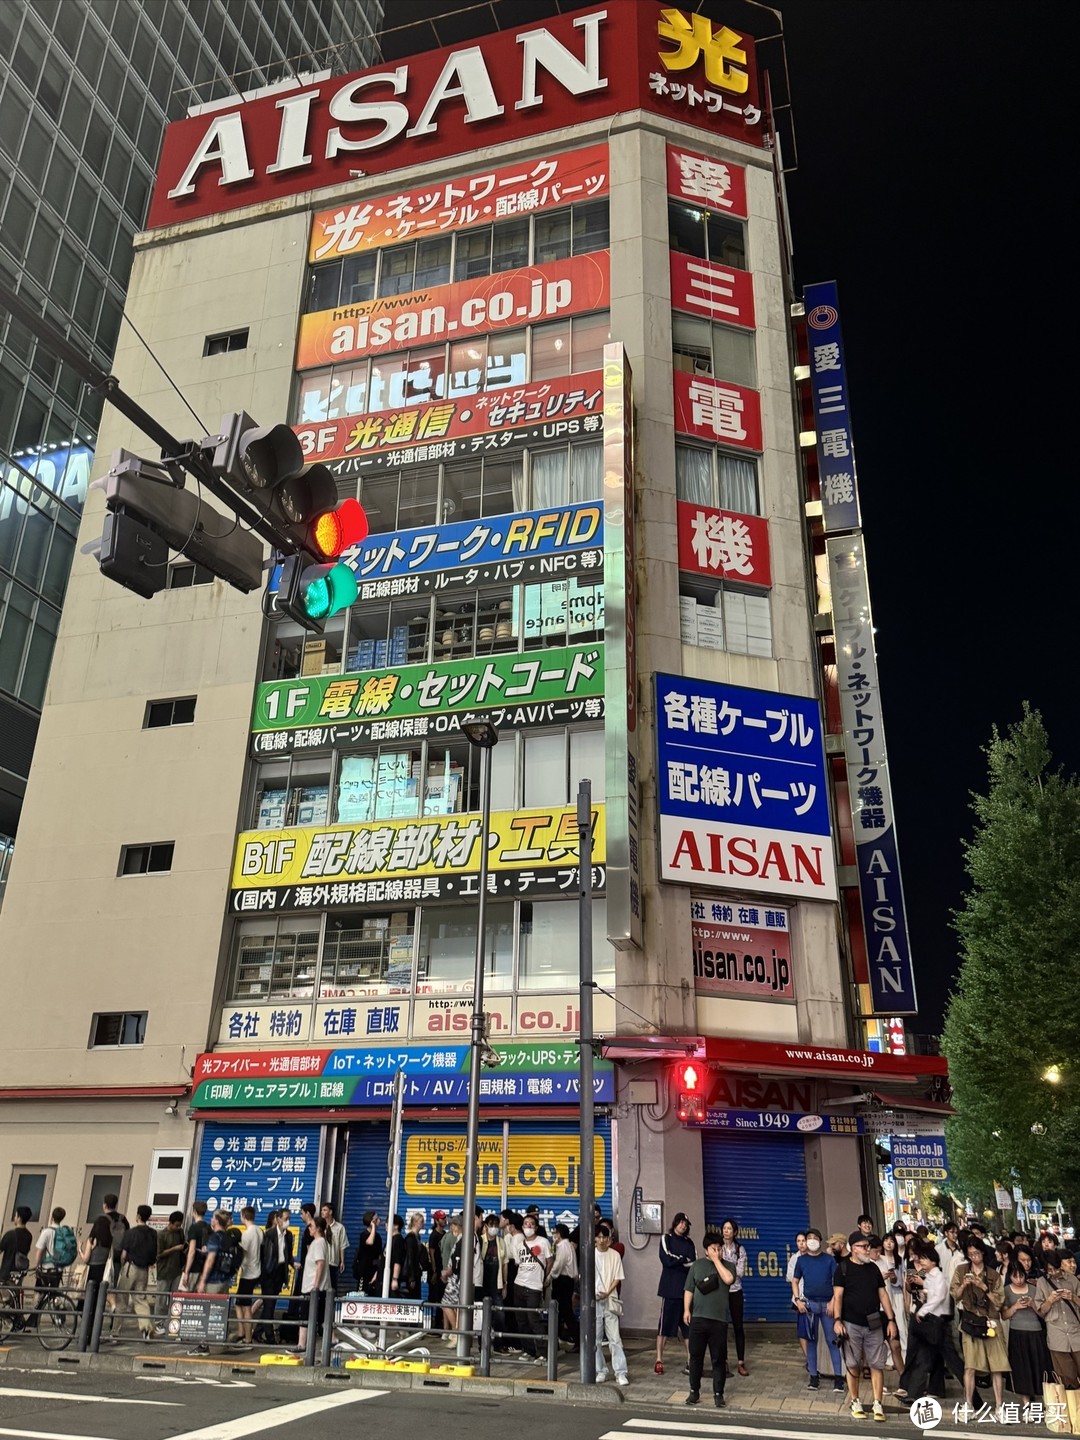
(1029, 1359)
(980, 1297)
(1057, 1300)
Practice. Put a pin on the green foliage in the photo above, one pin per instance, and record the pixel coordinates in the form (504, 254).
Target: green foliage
(1009, 1017)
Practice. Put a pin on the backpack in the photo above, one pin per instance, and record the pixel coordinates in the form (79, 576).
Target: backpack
(119, 1227)
(230, 1256)
(64, 1248)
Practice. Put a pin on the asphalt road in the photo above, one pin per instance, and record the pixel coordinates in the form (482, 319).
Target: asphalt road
(49, 1406)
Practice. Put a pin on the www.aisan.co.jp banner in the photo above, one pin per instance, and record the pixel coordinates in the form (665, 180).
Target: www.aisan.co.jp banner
(544, 687)
(532, 853)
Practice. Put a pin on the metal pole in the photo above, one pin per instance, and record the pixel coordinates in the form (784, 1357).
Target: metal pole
(479, 1039)
(396, 1110)
(587, 1168)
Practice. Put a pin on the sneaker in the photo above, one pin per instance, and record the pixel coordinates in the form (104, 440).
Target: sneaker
(838, 1387)
(686, 1369)
(622, 1379)
(879, 1411)
(659, 1367)
(601, 1376)
(857, 1411)
(693, 1398)
(813, 1383)
(719, 1401)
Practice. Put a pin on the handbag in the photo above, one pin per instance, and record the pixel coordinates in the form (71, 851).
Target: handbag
(974, 1325)
(614, 1304)
(709, 1283)
(1056, 1408)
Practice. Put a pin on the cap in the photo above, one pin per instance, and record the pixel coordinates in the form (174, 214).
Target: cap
(439, 1215)
(455, 1219)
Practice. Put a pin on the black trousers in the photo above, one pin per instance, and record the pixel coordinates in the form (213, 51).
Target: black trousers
(737, 1301)
(710, 1335)
(562, 1292)
(930, 1342)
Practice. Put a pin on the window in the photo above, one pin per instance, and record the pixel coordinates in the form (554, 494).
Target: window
(31, 1185)
(703, 349)
(548, 944)
(556, 761)
(169, 712)
(367, 953)
(98, 1184)
(448, 948)
(222, 344)
(724, 617)
(122, 1028)
(292, 792)
(146, 859)
(707, 236)
(183, 575)
(711, 477)
(276, 960)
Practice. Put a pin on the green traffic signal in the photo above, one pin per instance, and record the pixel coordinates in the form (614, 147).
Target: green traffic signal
(327, 589)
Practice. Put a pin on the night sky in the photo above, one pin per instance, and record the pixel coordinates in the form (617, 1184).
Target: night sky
(933, 186)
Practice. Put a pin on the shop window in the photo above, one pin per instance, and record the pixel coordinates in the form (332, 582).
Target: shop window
(558, 612)
(556, 761)
(365, 953)
(120, 1028)
(707, 476)
(550, 351)
(292, 792)
(724, 617)
(590, 227)
(169, 712)
(548, 945)
(588, 336)
(706, 235)
(275, 960)
(146, 859)
(382, 635)
(552, 238)
(447, 958)
(381, 786)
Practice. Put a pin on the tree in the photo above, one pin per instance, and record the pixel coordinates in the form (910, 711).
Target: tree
(1009, 1019)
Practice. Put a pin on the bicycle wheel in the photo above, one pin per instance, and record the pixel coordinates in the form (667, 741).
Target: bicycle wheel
(57, 1322)
(9, 1301)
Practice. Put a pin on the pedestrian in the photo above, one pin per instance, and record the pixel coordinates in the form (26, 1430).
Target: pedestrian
(221, 1264)
(15, 1245)
(863, 1321)
(171, 1249)
(1003, 1258)
(706, 1313)
(677, 1253)
(417, 1259)
(609, 1306)
(397, 1256)
(865, 1225)
(197, 1233)
(368, 1260)
(950, 1254)
(315, 1276)
(532, 1253)
(275, 1268)
(812, 1294)
(138, 1252)
(250, 1270)
(434, 1249)
(980, 1297)
(891, 1265)
(838, 1244)
(492, 1246)
(95, 1252)
(563, 1277)
(1057, 1296)
(337, 1241)
(56, 1250)
(451, 1243)
(789, 1275)
(120, 1227)
(930, 1342)
(737, 1260)
(1029, 1357)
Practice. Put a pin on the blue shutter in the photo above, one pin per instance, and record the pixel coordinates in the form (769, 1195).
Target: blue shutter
(269, 1167)
(760, 1182)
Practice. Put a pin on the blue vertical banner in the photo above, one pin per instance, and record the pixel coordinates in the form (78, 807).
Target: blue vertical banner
(269, 1167)
(881, 889)
(832, 412)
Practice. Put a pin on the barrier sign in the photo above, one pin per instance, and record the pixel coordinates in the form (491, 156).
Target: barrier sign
(203, 1318)
(361, 1309)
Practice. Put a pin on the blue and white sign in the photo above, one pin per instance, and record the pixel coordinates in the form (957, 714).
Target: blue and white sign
(920, 1159)
(565, 540)
(779, 1122)
(832, 415)
(881, 890)
(742, 791)
(269, 1167)
(1035, 1206)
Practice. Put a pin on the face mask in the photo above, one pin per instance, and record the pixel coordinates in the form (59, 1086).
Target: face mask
(493, 1231)
(813, 1246)
(528, 1233)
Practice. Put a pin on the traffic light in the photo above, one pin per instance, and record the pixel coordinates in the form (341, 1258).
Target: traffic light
(265, 464)
(150, 513)
(690, 1080)
(309, 592)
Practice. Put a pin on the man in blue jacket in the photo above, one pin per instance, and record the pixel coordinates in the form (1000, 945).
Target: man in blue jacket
(677, 1254)
(816, 1270)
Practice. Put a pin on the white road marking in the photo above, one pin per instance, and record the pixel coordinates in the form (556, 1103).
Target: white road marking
(49, 1434)
(272, 1417)
(191, 1380)
(665, 1429)
(84, 1399)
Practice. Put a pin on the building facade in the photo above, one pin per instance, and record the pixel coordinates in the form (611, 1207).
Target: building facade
(531, 300)
(84, 103)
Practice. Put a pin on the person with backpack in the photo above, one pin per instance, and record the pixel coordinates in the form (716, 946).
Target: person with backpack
(56, 1250)
(417, 1259)
(223, 1256)
(197, 1234)
(15, 1245)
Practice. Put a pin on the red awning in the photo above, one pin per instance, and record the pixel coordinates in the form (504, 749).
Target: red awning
(916, 1103)
(94, 1092)
(829, 1061)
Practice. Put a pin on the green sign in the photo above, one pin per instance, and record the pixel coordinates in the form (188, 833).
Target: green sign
(539, 687)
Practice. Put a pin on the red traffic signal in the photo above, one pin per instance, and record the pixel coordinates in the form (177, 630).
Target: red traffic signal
(690, 1082)
(336, 530)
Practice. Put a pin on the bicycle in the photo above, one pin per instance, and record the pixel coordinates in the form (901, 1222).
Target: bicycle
(52, 1315)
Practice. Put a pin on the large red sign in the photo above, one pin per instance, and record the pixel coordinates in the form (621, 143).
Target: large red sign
(748, 958)
(723, 545)
(507, 86)
(706, 183)
(475, 424)
(715, 292)
(471, 307)
(841, 1064)
(494, 194)
(717, 410)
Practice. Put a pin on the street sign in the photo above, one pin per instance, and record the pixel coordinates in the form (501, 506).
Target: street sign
(919, 1159)
(1035, 1206)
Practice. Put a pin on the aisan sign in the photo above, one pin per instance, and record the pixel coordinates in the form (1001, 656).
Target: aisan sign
(507, 86)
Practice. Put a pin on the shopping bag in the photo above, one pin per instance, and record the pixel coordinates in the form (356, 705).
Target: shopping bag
(1056, 1408)
(1073, 1399)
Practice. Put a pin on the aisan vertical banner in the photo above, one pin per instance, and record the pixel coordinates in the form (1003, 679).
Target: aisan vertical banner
(881, 891)
(620, 681)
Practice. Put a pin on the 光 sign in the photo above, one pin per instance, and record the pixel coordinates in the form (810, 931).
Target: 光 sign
(741, 788)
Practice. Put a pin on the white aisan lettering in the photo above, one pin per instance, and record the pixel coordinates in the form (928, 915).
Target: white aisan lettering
(224, 143)
(474, 88)
(541, 48)
(392, 115)
(292, 151)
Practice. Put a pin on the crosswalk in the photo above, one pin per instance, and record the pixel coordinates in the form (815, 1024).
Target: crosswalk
(656, 1429)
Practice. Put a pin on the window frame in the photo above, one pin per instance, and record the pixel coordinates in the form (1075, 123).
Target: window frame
(140, 1018)
(149, 846)
(151, 705)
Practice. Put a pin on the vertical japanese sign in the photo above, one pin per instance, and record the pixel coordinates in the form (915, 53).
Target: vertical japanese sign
(269, 1167)
(832, 416)
(620, 676)
(892, 976)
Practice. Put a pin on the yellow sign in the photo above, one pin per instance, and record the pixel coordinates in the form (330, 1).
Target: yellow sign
(696, 39)
(521, 840)
(540, 1165)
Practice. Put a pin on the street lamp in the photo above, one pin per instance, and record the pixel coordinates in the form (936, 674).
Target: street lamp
(483, 736)
(1052, 1075)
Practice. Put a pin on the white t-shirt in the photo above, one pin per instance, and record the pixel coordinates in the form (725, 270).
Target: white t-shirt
(45, 1242)
(532, 1254)
(250, 1248)
(793, 1260)
(609, 1270)
(316, 1251)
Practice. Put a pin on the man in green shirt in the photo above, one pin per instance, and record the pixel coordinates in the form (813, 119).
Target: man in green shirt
(707, 1311)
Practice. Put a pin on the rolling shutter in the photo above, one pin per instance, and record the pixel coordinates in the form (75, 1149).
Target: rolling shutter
(760, 1182)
